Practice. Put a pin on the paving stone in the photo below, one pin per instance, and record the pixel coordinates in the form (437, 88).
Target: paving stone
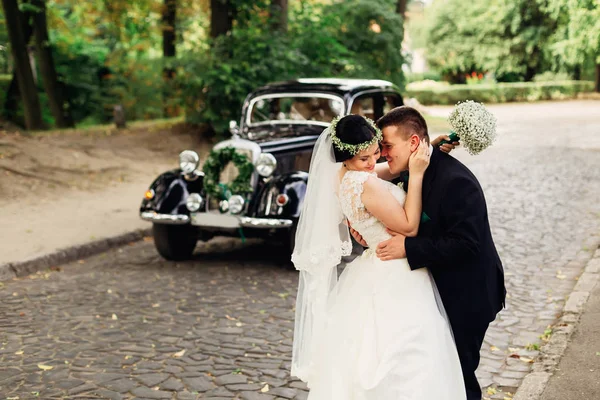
(172, 384)
(255, 396)
(123, 385)
(150, 394)
(151, 379)
(200, 384)
(286, 393)
(230, 378)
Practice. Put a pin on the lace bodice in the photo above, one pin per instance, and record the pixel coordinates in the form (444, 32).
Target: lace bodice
(351, 188)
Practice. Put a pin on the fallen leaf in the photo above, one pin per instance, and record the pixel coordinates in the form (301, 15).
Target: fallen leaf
(19, 352)
(179, 353)
(527, 360)
(598, 353)
(515, 356)
(491, 391)
(155, 305)
(44, 367)
(265, 388)
(238, 324)
(114, 316)
(494, 348)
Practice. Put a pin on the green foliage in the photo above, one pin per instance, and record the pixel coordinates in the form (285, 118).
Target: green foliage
(216, 161)
(372, 32)
(501, 92)
(506, 37)
(550, 76)
(577, 37)
(322, 41)
(110, 52)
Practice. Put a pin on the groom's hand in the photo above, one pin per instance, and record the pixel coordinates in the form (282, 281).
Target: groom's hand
(446, 147)
(357, 236)
(392, 249)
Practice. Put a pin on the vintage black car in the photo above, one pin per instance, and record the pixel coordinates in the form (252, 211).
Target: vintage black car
(253, 184)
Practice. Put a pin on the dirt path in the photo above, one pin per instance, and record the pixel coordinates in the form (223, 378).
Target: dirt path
(72, 187)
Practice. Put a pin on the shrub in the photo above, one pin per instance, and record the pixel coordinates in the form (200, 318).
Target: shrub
(550, 76)
(501, 92)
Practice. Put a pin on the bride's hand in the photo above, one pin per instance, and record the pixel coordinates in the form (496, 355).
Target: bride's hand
(419, 159)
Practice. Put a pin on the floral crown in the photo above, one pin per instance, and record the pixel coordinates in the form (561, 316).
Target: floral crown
(354, 149)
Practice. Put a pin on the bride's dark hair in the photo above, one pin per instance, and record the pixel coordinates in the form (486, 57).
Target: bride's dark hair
(352, 129)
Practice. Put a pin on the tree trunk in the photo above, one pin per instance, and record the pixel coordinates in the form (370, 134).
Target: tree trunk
(401, 8)
(54, 89)
(577, 72)
(169, 19)
(18, 46)
(221, 19)
(597, 88)
(11, 101)
(279, 15)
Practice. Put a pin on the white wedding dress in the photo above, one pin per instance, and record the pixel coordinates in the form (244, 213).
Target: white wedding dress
(385, 337)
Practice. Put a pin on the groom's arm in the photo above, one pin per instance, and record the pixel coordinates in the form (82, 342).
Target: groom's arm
(464, 213)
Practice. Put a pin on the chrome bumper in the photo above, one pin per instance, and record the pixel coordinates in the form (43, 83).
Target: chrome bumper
(170, 219)
(215, 220)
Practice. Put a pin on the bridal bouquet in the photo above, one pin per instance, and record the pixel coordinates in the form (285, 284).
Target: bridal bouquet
(473, 125)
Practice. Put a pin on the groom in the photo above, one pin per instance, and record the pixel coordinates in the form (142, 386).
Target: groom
(454, 240)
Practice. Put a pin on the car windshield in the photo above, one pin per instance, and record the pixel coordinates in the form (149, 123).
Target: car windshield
(318, 108)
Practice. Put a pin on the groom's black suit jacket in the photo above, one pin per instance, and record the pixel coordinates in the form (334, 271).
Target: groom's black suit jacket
(456, 244)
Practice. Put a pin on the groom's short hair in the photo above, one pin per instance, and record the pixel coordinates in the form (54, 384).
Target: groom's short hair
(407, 117)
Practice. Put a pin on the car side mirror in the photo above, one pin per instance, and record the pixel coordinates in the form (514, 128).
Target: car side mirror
(233, 128)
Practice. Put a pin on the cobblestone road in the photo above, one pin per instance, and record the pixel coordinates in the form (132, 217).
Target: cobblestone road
(127, 324)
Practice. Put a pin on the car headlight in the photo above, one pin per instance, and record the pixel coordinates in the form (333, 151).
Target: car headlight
(188, 161)
(193, 202)
(236, 204)
(266, 164)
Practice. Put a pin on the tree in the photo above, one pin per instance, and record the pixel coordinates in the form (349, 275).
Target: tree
(54, 89)
(11, 101)
(401, 8)
(577, 37)
(27, 87)
(169, 18)
(507, 37)
(279, 15)
(221, 18)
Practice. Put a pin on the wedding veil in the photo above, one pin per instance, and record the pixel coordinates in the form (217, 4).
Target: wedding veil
(322, 238)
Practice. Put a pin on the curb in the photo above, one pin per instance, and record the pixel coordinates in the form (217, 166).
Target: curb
(545, 365)
(63, 256)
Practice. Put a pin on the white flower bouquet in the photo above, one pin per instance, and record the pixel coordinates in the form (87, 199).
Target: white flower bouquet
(473, 125)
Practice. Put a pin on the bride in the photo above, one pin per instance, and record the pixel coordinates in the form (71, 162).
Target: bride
(377, 333)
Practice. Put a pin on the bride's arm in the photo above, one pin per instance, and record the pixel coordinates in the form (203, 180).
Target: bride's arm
(378, 200)
(380, 203)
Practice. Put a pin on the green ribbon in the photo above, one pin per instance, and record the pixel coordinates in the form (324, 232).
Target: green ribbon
(453, 138)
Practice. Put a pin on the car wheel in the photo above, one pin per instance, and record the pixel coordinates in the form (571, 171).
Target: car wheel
(175, 242)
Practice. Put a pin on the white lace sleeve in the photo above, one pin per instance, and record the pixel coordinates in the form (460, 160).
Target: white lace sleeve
(351, 189)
